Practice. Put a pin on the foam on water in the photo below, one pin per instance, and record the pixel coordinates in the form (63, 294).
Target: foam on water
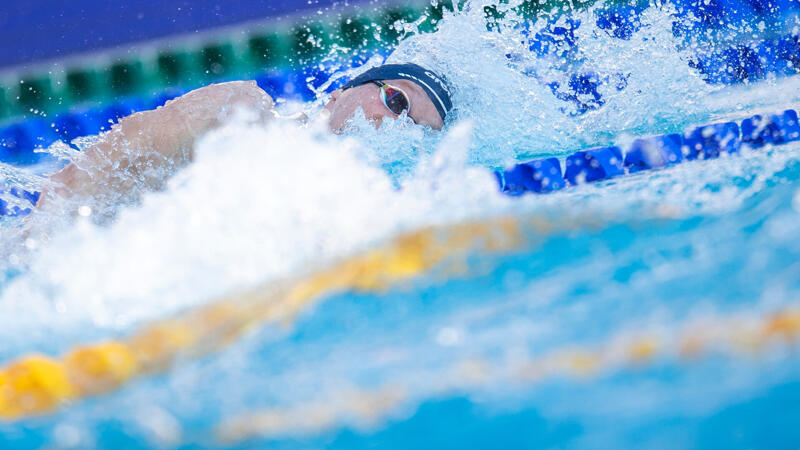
(502, 86)
(257, 203)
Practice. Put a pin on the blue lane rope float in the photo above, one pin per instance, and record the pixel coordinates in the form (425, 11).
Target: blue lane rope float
(543, 175)
(780, 55)
(602, 163)
(9, 210)
(654, 152)
(594, 164)
(19, 140)
(758, 131)
(711, 140)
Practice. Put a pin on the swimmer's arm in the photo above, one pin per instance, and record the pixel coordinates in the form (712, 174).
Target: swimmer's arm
(142, 150)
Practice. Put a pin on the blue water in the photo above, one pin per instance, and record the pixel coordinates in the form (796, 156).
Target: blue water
(449, 358)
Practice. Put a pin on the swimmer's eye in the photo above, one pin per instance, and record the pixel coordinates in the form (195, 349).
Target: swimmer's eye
(395, 99)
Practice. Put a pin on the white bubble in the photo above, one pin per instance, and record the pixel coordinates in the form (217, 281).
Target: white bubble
(448, 337)
(85, 211)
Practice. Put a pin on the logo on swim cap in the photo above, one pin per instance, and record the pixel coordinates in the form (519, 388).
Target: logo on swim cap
(441, 106)
(434, 86)
(438, 80)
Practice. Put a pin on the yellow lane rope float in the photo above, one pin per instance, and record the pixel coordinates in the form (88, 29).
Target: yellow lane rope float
(724, 335)
(38, 384)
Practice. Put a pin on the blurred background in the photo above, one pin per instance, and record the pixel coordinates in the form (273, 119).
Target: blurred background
(70, 70)
(79, 66)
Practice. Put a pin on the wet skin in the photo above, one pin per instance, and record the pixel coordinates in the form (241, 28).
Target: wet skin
(343, 104)
(164, 138)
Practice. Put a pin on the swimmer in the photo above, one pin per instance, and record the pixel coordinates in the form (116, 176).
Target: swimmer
(149, 146)
(388, 91)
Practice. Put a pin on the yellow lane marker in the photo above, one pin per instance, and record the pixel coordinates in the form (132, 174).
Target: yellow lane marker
(714, 335)
(37, 384)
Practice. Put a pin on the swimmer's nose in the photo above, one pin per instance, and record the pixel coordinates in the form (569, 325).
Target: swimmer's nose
(335, 94)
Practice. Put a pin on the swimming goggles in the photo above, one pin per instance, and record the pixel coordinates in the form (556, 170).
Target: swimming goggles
(393, 97)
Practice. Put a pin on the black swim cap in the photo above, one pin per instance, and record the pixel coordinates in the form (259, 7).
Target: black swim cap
(434, 86)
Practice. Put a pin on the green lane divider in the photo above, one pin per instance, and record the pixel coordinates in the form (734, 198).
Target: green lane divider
(126, 77)
(36, 95)
(357, 33)
(389, 33)
(266, 50)
(309, 41)
(217, 59)
(176, 68)
(85, 84)
(530, 9)
(5, 106)
(298, 46)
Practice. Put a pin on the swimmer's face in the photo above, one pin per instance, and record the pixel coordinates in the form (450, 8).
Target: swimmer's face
(368, 97)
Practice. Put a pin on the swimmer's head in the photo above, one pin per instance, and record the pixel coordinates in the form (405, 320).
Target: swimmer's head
(385, 91)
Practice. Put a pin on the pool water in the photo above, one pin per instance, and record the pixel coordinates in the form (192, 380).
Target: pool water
(658, 309)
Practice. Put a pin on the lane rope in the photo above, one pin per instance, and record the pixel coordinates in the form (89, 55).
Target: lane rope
(36, 384)
(732, 336)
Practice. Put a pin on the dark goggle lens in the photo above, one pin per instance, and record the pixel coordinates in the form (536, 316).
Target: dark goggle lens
(396, 101)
